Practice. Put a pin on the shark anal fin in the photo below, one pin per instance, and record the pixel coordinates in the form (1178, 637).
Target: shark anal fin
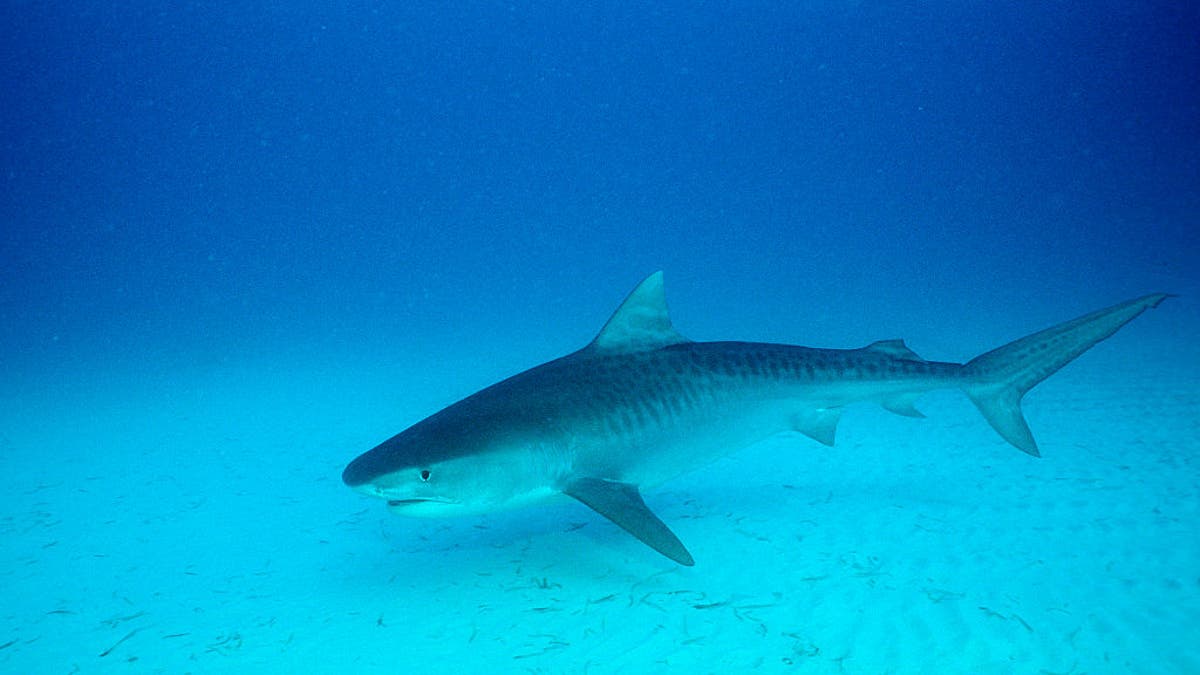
(903, 405)
(622, 504)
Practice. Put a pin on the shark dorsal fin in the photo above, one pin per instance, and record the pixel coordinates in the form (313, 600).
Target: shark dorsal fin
(641, 323)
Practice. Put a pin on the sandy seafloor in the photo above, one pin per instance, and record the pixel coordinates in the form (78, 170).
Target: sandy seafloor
(160, 519)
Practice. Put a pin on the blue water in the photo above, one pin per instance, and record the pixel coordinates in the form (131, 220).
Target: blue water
(239, 246)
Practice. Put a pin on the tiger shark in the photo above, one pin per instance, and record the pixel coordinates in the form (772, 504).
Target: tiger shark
(641, 404)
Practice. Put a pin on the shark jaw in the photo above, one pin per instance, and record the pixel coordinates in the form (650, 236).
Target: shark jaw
(641, 404)
(427, 508)
(405, 504)
(401, 500)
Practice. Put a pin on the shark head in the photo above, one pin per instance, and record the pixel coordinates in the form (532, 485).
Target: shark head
(454, 462)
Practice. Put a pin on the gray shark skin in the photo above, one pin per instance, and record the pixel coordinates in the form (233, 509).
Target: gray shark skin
(641, 404)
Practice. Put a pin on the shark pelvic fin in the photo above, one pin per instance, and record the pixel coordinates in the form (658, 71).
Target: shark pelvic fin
(819, 424)
(622, 504)
(996, 381)
(641, 323)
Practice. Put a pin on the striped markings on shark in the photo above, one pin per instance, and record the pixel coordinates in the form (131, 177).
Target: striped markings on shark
(641, 404)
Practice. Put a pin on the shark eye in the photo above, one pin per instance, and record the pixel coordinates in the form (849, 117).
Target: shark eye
(424, 475)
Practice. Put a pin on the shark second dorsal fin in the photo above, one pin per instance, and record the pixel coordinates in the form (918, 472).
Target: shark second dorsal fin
(641, 323)
(895, 348)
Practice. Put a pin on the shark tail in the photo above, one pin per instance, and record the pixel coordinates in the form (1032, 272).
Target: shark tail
(996, 381)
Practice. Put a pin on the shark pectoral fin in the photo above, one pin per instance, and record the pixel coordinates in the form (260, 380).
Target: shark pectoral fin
(622, 504)
(819, 424)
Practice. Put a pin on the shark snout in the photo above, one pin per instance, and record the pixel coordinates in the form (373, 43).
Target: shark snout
(360, 472)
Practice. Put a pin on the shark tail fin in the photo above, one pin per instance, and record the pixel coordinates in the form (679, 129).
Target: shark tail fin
(996, 381)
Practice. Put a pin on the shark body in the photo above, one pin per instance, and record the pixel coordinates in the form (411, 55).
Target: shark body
(641, 404)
